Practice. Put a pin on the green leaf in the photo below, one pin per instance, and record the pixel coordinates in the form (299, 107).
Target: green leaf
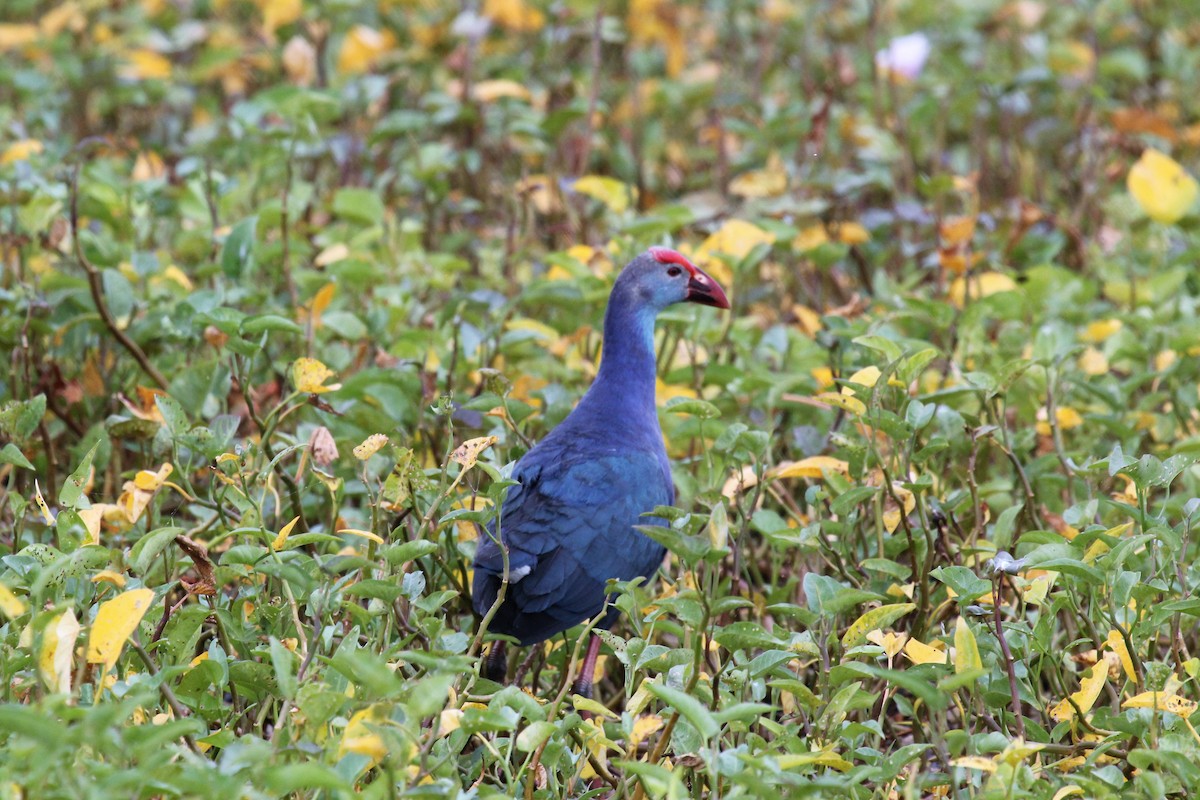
(72, 488)
(693, 407)
(237, 254)
(879, 617)
(253, 326)
(11, 454)
(534, 735)
(746, 636)
(688, 707)
(965, 583)
(150, 545)
(284, 663)
(360, 205)
(303, 777)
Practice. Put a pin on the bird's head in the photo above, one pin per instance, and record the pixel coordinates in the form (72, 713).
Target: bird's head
(661, 277)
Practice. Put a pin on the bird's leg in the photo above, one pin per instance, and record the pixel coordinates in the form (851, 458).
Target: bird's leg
(583, 685)
(495, 666)
(523, 669)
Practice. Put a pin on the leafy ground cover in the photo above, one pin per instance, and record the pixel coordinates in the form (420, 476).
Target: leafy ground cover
(286, 284)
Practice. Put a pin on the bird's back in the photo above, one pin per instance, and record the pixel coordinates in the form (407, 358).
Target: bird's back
(569, 529)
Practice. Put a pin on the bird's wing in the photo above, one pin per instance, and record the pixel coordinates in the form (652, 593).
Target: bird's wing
(569, 525)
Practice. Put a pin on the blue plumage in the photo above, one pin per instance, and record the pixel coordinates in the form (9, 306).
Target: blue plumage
(568, 526)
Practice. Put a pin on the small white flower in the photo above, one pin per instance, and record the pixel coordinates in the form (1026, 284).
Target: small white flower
(905, 56)
(470, 25)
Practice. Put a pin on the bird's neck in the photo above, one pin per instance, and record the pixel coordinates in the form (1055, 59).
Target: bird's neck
(626, 381)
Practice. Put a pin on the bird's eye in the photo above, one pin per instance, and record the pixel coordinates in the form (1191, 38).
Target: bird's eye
(674, 271)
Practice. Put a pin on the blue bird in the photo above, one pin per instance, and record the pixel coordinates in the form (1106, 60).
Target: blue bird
(568, 524)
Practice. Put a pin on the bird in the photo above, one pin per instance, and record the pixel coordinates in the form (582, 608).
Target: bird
(568, 522)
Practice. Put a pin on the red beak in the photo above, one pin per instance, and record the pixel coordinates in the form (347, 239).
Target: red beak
(704, 290)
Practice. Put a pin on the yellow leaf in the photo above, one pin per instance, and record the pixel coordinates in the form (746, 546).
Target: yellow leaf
(374, 537)
(808, 321)
(309, 376)
(976, 762)
(844, 401)
(284, 532)
(811, 467)
(1065, 416)
(1038, 588)
(810, 238)
(856, 634)
(109, 576)
(370, 446)
(115, 622)
(277, 13)
(823, 758)
(493, 90)
(143, 64)
(643, 727)
(1095, 550)
(13, 36)
(966, 649)
(449, 721)
(718, 527)
(851, 233)
(149, 481)
(330, 255)
(358, 736)
(982, 285)
(67, 16)
(57, 656)
(1073, 58)
(515, 15)
(1085, 698)
(1116, 643)
(21, 151)
(867, 376)
(1162, 701)
(11, 605)
(92, 518)
(611, 192)
(956, 231)
(1018, 750)
(658, 22)
(174, 273)
(149, 166)
(891, 642)
(1162, 187)
(1100, 330)
(361, 48)
(322, 299)
(469, 451)
(892, 514)
(47, 517)
(735, 238)
(1068, 791)
(1093, 362)
(771, 181)
(921, 653)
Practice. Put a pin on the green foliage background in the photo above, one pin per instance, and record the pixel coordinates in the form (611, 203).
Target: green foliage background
(197, 194)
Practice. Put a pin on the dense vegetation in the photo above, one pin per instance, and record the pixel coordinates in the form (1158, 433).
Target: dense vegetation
(286, 283)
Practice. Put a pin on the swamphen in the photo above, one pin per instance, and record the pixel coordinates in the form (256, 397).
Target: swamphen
(568, 526)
